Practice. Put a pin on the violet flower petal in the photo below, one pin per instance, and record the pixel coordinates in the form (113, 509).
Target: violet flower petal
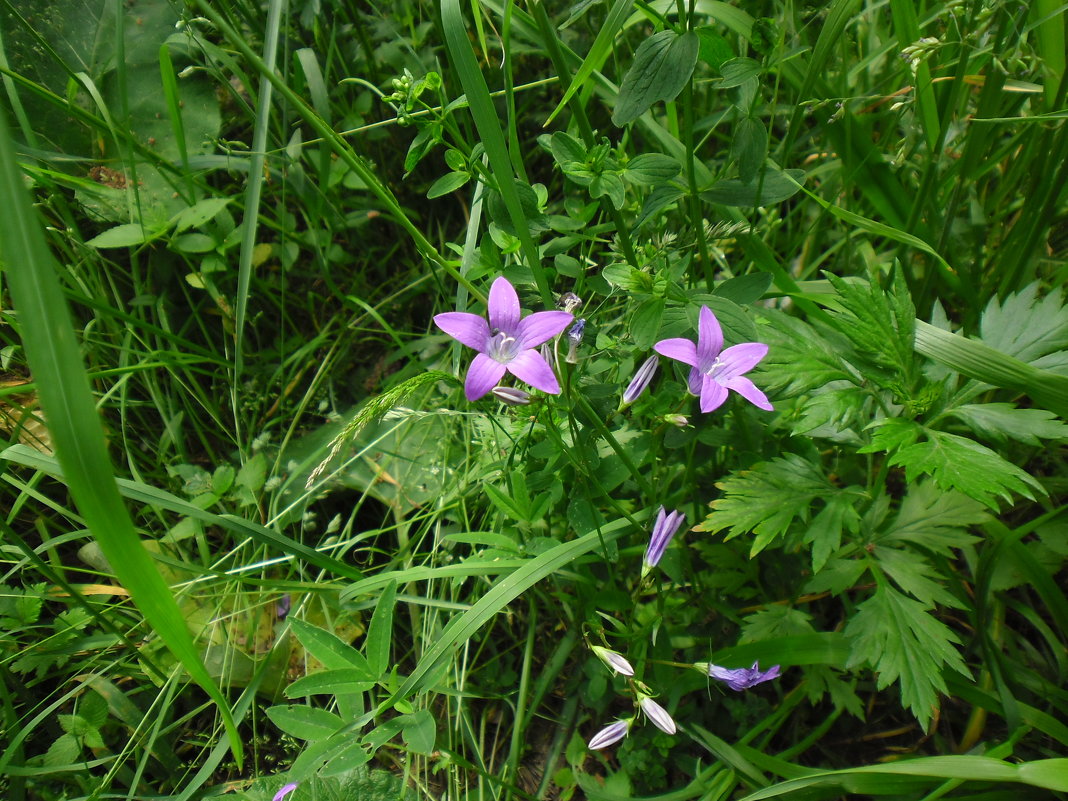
(658, 715)
(681, 350)
(286, 790)
(470, 329)
(529, 366)
(482, 376)
(539, 327)
(748, 390)
(503, 307)
(739, 679)
(739, 359)
(709, 338)
(695, 381)
(713, 395)
(610, 734)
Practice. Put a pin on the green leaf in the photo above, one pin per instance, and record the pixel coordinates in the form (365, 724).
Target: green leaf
(449, 182)
(329, 649)
(772, 186)
(342, 681)
(304, 722)
(915, 575)
(419, 732)
(891, 434)
(651, 169)
(897, 637)
(610, 185)
(880, 323)
(749, 146)
(645, 324)
(962, 464)
(567, 149)
(766, 499)
(663, 64)
(825, 531)
(1002, 421)
(1025, 326)
(123, 236)
(714, 49)
(737, 71)
(199, 213)
(380, 632)
(63, 751)
(936, 520)
(744, 289)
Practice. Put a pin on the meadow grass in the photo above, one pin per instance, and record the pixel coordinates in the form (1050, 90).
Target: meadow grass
(259, 532)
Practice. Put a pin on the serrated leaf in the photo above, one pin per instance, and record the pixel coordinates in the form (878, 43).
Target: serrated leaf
(891, 434)
(832, 414)
(63, 751)
(767, 499)
(305, 722)
(1025, 326)
(915, 575)
(771, 186)
(963, 464)
(880, 323)
(651, 169)
(774, 623)
(1003, 421)
(902, 642)
(837, 576)
(935, 519)
(825, 531)
(748, 147)
(800, 359)
(662, 65)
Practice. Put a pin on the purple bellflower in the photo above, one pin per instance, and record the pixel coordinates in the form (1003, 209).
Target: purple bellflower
(657, 714)
(739, 679)
(713, 370)
(506, 343)
(610, 734)
(286, 790)
(663, 530)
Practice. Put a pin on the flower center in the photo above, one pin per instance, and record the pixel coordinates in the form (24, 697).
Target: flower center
(502, 348)
(714, 369)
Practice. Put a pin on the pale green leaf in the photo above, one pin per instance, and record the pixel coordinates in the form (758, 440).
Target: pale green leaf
(1026, 326)
(342, 681)
(329, 649)
(380, 631)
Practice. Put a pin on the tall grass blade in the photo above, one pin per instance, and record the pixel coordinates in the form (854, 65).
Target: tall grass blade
(78, 438)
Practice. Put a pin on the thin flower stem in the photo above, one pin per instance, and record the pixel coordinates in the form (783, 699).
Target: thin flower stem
(624, 457)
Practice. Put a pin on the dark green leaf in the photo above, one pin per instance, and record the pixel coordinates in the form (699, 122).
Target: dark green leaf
(900, 640)
(737, 71)
(662, 65)
(714, 49)
(304, 722)
(962, 464)
(380, 632)
(419, 732)
(449, 182)
(1002, 421)
(651, 169)
(770, 187)
(609, 184)
(645, 324)
(330, 682)
(744, 289)
(749, 146)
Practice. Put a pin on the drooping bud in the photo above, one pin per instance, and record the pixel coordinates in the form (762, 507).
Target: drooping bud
(512, 396)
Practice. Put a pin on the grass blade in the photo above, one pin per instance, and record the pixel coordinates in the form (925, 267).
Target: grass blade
(66, 399)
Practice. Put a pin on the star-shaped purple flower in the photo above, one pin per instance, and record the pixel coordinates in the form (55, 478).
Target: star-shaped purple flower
(506, 343)
(739, 679)
(714, 370)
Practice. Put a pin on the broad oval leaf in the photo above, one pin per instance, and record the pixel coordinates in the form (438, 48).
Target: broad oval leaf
(330, 682)
(772, 187)
(662, 65)
(305, 722)
(651, 169)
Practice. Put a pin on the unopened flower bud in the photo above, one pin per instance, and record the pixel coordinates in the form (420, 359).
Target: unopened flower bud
(512, 396)
(642, 377)
(679, 420)
(614, 660)
(658, 715)
(574, 339)
(569, 302)
(610, 734)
